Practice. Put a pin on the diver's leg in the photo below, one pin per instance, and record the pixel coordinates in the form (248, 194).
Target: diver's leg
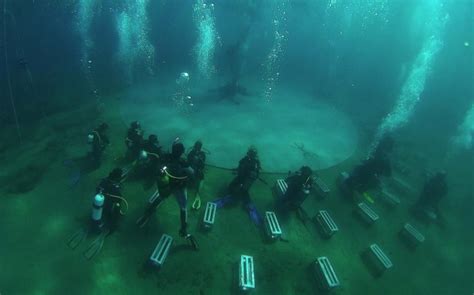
(234, 185)
(253, 212)
(77, 238)
(182, 199)
(247, 184)
(96, 246)
(184, 222)
(143, 220)
(114, 217)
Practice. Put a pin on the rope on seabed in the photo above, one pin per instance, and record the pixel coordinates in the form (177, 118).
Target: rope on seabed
(7, 70)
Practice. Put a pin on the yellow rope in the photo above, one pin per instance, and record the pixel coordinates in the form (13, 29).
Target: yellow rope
(122, 199)
(98, 135)
(153, 154)
(174, 177)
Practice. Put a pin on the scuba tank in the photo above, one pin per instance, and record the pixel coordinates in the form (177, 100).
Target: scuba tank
(163, 179)
(142, 156)
(90, 138)
(97, 209)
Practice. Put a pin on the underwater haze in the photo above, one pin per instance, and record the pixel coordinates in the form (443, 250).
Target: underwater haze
(337, 147)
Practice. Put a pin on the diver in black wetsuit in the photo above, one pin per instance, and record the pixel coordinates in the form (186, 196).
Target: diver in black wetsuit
(110, 188)
(234, 60)
(197, 160)
(366, 175)
(106, 214)
(247, 172)
(175, 175)
(99, 141)
(152, 155)
(134, 140)
(299, 187)
(434, 190)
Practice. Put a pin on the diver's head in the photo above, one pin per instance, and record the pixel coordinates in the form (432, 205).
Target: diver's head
(103, 127)
(252, 152)
(441, 175)
(153, 138)
(197, 145)
(306, 171)
(135, 125)
(177, 150)
(116, 174)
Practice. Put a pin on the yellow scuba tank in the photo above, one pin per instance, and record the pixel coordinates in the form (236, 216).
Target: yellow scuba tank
(163, 179)
(368, 197)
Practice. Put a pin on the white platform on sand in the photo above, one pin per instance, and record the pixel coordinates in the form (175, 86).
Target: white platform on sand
(291, 130)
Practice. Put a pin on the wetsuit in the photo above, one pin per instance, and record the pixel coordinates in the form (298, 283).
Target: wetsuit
(298, 189)
(247, 172)
(111, 214)
(197, 160)
(154, 155)
(366, 175)
(134, 141)
(99, 143)
(177, 174)
(433, 191)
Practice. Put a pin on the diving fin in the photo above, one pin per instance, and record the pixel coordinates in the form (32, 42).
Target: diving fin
(96, 246)
(193, 241)
(221, 202)
(143, 220)
(77, 238)
(254, 214)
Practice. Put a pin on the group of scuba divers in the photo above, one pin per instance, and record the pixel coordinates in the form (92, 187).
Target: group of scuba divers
(176, 171)
(367, 176)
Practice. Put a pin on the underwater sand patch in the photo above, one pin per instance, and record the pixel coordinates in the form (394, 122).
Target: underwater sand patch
(24, 179)
(292, 130)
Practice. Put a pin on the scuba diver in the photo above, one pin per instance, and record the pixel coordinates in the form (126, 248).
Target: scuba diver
(299, 187)
(247, 172)
(434, 190)
(151, 155)
(106, 213)
(134, 140)
(234, 54)
(174, 179)
(229, 91)
(110, 188)
(99, 141)
(197, 160)
(233, 58)
(366, 175)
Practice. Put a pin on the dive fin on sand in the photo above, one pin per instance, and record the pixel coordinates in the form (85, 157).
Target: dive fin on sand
(193, 241)
(77, 238)
(254, 214)
(143, 220)
(96, 246)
